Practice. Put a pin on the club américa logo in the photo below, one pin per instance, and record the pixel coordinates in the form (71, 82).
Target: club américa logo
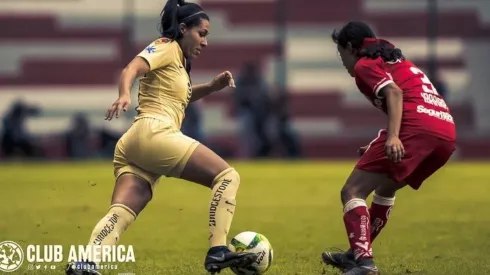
(11, 256)
(50, 256)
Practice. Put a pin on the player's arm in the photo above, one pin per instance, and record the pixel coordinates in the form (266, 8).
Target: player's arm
(158, 54)
(136, 68)
(394, 104)
(372, 74)
(155, 56)
(222, 80)
(201, 90)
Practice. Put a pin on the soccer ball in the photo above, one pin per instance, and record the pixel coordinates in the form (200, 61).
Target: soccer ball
(255, 243)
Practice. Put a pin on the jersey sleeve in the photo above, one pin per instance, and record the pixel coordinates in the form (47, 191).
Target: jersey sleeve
(372, 75)
(158, 54)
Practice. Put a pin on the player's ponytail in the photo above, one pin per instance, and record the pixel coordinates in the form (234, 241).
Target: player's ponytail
(169, 24)
(364, 40)
(374, 48)
(176, 12)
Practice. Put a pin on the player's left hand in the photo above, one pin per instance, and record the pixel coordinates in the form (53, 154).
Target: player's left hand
(394, 149)
(224, 79)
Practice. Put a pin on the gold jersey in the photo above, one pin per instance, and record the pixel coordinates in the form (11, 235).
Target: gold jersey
(165, 91)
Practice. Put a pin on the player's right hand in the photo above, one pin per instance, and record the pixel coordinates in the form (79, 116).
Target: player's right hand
(394, 149)
(122, 103)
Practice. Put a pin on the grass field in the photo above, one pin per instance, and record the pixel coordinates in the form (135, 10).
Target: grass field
(441, 229)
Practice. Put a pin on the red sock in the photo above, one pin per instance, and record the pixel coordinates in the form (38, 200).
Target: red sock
(380, 212)
(356, 220)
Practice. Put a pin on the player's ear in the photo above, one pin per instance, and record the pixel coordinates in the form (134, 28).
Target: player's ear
(182, 28)
(349, 47)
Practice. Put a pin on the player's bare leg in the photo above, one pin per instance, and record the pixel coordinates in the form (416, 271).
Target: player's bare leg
(206, 168)
(130, 196)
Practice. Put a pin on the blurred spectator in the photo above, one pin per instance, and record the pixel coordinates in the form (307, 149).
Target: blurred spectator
(192, 124)
(252, 104)
(15, 139)
(78, 138)
(440, 85)
(108, 140)
(285, 133)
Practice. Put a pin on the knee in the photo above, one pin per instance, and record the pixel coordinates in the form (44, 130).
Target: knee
(389, 189)
(227, 177)
(347, 193)
(233, 176)
(237, 175)
(226, 185)
(386, 192)
(132, 192)
(355, 191)
(144, 190)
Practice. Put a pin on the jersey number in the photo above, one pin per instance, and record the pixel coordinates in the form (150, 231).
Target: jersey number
(427, 86)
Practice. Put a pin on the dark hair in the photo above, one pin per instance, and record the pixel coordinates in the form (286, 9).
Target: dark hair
(176, 12)
(356, 34)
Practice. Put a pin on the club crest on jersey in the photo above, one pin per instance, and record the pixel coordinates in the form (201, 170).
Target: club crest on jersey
(162, 41)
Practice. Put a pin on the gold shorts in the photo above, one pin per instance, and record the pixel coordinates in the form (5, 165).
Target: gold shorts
(152, 148)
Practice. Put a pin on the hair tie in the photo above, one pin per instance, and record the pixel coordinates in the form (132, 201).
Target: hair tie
(375, 41)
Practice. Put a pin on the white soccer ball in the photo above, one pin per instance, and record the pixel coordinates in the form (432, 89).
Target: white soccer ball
(255, 243)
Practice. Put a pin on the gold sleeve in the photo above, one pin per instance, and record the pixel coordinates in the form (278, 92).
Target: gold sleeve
(159, 53)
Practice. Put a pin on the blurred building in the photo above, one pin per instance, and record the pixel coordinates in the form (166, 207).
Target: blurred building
(65, 57)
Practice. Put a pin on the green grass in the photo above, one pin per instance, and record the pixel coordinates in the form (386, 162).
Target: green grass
(441, 229)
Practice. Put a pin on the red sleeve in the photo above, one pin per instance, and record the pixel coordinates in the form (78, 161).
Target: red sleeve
(372, 75)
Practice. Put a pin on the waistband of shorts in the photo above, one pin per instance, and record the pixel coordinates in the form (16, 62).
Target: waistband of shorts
(155, 117)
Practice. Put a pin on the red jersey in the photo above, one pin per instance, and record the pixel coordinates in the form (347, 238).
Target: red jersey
(424, 110)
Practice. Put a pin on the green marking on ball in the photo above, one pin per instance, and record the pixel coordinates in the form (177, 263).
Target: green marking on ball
(257, 239)
(238, 245)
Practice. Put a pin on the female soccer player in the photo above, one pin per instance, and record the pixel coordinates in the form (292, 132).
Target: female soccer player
(419, 139)
(154, 145)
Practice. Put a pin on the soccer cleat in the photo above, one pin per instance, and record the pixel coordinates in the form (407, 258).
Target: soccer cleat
(219, 258)
(81, 268)
(342, 260)
(364, 267)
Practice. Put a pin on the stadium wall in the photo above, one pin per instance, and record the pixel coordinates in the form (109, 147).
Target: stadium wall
(66, 57)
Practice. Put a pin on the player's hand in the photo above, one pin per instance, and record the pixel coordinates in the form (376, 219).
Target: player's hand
(362, 150)
(122, 103)
(224, 79)
(394, 149)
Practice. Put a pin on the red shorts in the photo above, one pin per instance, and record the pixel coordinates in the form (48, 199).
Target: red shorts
(424, 155)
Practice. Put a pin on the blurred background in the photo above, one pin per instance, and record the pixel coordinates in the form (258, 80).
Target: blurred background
(60, 61)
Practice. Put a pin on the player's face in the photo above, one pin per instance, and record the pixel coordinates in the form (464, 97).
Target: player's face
(195, 39)
(348, 58)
